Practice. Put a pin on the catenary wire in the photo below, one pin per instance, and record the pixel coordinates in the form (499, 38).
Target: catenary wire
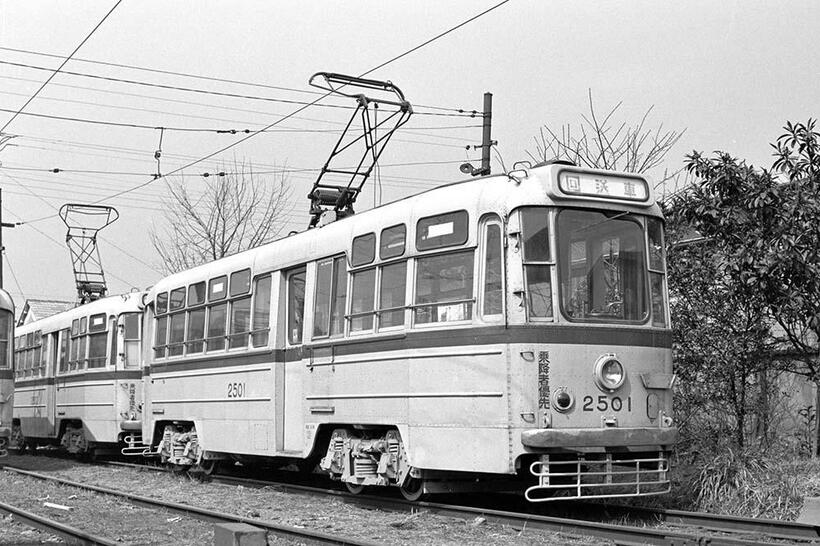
(216, 93)
(106, 240)
(196, 76)
(297, 111)
(55, 72)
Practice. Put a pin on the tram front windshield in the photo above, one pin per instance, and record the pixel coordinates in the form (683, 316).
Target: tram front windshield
(602, 266)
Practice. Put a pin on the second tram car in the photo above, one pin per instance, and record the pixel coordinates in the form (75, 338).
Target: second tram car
(79, 377)
(6, 370)
(504, 332)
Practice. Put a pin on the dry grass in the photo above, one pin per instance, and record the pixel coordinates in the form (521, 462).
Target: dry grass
(751, 485)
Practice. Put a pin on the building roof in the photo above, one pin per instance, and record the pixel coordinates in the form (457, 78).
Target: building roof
(39, 309)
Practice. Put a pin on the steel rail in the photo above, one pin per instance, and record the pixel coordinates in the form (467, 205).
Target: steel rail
(787, 530)
(72, 535)
(704, 524)
(304, 535)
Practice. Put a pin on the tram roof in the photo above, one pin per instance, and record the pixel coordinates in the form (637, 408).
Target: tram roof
(111, 305)
(498, 194)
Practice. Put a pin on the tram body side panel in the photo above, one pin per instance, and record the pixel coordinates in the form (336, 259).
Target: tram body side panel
(451, 401)
(34, 407)
(6, 402)
(92, 401)
(232, 407)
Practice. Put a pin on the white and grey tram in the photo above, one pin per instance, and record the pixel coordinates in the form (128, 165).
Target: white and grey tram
(505, 332)
(6, 370)
(79, 377)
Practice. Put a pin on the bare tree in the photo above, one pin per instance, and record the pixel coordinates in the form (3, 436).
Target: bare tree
(236, 210)
(603, 143)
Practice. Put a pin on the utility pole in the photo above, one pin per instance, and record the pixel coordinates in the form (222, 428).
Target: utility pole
(2, 248)
(486, 141)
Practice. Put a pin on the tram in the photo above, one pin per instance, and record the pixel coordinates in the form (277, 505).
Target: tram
(79, 378)
(6, 370)
(504, 332)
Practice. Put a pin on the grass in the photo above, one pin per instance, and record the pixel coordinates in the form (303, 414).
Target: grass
(746, 484)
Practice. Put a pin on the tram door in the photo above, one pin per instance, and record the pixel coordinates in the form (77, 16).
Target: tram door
(290, 390)
(50, 390)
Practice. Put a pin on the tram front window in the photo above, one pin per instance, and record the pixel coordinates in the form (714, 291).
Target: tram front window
(602, 266)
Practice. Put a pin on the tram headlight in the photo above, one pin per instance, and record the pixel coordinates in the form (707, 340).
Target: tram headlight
(609, 373)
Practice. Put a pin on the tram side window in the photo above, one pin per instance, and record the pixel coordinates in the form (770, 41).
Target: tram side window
(330, 297)
(362, 300)
(442, 230)
(97, 341)
(196, 331)
(392, 242)
(131, 338)
(261, 311)
(240, 322)
(63, 367)
(444, 288)
(240, 319)
(5, 338)
(176, 321)
(657, 270)
(392, 291)
(37, 357)
(537, 260)
(81, 359)
(296, 305)
(29, 356)
(195, 335)
(217, 316)
(364, 250)
(493, 285)
(160, 337)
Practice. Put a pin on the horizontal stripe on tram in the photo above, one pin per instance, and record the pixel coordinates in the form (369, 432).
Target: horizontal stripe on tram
(201, 400)
(559, 334)
(405, 395)
(84, 404)
(129, 375)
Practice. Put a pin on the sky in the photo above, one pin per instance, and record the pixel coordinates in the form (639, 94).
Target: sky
(729, 74)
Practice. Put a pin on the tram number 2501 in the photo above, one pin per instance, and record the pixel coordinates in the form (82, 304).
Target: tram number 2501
(236, 390)
(603, 403)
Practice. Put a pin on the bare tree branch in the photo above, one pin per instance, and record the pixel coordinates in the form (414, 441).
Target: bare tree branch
(234, 212)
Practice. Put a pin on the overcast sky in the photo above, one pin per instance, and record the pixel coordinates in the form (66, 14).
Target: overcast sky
(729, 73)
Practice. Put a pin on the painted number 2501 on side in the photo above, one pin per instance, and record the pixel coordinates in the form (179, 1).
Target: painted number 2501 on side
(605, 404)
(236, 390)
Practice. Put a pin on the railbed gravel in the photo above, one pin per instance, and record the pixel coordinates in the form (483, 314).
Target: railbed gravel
(129, 524)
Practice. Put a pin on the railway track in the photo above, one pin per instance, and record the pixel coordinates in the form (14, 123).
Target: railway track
(284, 531)
(71, 535)
(683, 527)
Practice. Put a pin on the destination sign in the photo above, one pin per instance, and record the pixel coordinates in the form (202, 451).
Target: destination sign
(606, 187)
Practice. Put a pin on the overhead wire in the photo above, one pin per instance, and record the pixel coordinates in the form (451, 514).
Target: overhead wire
(213, 93)
(204, 105)
(200, 77)
(55, 72)
(13, 274)
(297, 111)
(149, 266)
(61, 245)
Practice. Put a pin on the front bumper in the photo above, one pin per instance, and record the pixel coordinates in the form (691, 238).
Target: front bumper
(603, 437)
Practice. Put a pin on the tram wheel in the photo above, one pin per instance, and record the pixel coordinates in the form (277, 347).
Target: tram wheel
(412, 489)
(355, 488)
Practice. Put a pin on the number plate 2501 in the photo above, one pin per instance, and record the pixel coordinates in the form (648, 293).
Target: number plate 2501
(604, 403)
(236, 390)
